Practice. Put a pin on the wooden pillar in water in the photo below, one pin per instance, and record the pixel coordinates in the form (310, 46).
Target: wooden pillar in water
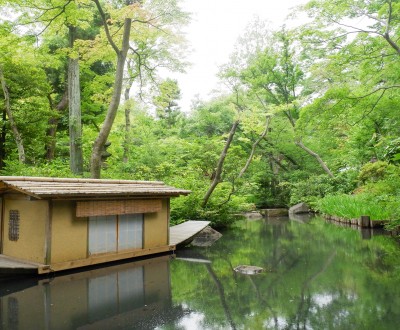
(363, 222)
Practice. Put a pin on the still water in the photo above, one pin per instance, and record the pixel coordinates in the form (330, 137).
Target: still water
(317, 276)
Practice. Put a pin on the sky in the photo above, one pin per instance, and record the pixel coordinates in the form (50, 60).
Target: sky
(212, 35)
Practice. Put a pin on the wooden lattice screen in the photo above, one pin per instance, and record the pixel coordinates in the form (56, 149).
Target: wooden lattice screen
(98, 208)
(13, 225)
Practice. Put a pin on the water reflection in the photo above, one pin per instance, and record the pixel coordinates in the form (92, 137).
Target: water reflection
(125, 296)
(317, 276)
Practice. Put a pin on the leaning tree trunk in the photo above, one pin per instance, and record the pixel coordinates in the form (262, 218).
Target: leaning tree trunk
(75, 122)
(218, 172)
(316, 156)
(95, 163)
(300, 144)
(14, 128)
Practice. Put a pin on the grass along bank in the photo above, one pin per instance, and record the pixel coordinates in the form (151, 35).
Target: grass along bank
(355, 206)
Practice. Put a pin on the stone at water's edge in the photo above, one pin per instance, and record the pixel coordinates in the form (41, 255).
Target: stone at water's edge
(299, 208)
(274, 212)
(207, 237)
(252, 215)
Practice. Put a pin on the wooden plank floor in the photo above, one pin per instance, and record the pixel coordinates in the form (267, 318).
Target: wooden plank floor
(186, 231)
(13, 265)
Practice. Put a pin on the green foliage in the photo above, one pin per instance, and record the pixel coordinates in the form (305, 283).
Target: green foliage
(392, 151)
(57, 168)
(337, 94)
(312, 189)
(377, 195)
(167, 108)
(354, 206)
(376, 171)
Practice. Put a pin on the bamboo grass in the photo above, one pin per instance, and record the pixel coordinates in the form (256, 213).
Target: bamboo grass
(354, 206)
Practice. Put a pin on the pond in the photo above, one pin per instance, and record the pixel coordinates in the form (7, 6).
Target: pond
(315, 275)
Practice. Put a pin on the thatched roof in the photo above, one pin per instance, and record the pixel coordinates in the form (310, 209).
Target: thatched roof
(46, 188)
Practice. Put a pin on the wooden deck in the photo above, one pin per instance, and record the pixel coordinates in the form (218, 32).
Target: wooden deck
(9, 265)
(185, 232)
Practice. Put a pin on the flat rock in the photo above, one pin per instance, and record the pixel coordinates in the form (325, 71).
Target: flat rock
(299, 208)
(207, 237)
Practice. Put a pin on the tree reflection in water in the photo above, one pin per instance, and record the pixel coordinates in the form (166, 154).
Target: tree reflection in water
(317, 276)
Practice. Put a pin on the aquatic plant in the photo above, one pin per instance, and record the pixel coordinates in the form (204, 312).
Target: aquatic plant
(354, 206)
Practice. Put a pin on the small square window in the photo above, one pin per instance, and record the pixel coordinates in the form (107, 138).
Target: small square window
(13, 225)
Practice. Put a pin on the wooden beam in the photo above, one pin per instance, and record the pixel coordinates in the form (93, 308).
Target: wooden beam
(99, 259)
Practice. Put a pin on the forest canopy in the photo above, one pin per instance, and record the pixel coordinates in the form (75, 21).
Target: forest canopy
(312, 114)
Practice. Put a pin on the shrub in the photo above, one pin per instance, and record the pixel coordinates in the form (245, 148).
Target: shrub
(373, 172)
(316, 187)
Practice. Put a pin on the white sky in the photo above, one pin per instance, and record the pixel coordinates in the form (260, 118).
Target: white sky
(215, 27)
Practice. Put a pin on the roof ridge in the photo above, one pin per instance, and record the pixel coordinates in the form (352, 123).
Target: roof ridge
(77, 180)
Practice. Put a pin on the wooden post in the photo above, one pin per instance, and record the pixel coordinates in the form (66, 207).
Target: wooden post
(48, 233)
(366, 233)
(363, 222)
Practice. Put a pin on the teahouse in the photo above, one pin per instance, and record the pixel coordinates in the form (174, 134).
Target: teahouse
(56, 224)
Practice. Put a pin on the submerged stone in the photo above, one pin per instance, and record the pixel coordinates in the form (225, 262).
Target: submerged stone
(248, 270)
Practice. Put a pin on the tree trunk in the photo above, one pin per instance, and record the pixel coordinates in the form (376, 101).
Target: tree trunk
(75, 122)
(127, 116)
(253, 149)
(222, 297)
(13, 125)
(218, 172)
(316, 156)
(53, 123)
(95, 164)
(3, 139)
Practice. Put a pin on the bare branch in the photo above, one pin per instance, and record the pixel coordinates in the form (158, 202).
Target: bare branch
(373, 92)
(103, 18)
(366, 114)
(357, 29)
(299, 143)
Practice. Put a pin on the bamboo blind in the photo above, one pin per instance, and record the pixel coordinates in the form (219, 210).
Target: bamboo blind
(98, 208)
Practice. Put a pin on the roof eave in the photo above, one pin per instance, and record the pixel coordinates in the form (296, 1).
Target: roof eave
(113, 196)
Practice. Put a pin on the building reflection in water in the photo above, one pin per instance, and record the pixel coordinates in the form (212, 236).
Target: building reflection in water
(134, 295)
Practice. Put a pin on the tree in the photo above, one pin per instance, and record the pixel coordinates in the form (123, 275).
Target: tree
(167, 108)
(381, 17)
(13, 124)
(157, 16)
(276, 79)
(74, 97)
(354, 69)
(24, 90)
